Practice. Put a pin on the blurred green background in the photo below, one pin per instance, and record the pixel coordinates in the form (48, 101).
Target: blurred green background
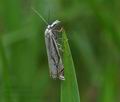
(93, 30)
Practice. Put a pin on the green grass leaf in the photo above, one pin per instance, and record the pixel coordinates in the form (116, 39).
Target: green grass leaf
(6, 83)
(69, 87)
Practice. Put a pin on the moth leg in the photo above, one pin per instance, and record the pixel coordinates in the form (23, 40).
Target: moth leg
(61, 29)
(60, 47)
(58, 44)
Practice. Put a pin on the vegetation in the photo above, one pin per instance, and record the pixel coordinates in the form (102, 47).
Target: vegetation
(93, 32)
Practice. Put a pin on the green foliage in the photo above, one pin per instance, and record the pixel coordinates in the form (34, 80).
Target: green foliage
(93, 31)
(69, 87)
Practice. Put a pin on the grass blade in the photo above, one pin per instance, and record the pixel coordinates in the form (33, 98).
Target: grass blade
(69, 87)
(6, 83)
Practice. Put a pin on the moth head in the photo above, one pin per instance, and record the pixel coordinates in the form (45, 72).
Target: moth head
(56, 26)
(55, 23)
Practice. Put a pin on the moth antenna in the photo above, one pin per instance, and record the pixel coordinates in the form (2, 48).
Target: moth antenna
(40, 15)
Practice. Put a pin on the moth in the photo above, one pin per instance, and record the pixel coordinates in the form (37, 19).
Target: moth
(56, 67)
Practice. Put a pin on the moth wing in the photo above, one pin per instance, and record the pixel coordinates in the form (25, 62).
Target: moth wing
(51, 54)
(60, 67)
(55, 63)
